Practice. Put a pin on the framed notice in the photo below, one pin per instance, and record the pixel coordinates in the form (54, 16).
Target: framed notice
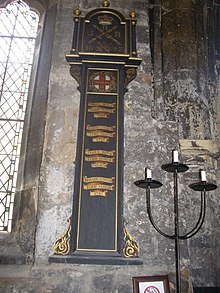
(151, 284)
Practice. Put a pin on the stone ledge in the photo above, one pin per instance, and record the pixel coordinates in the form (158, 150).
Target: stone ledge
(99, 260)
(200, 154)
(198, 145)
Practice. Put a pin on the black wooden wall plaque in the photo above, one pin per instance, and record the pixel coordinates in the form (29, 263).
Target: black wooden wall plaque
(103, 60)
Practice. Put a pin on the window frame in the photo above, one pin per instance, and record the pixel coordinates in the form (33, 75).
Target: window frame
(7, 120)
(18, 246)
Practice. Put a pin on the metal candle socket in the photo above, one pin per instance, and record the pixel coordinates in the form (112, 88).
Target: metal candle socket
(201, 186)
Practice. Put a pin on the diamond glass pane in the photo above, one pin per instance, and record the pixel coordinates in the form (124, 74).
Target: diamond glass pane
(18, 28)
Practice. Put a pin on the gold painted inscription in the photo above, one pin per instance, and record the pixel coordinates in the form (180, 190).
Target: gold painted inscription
(99, 179)
(98, 193)
(100, 127)
(101, 115)
(102, 104)
(100, 109)
(99, 165)
(98, 186)
(100, 152)
(99, 158)
(101, 139)
(100, 133)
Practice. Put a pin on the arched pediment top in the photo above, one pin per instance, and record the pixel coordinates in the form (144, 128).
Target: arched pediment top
(104, 31)
(104, 10)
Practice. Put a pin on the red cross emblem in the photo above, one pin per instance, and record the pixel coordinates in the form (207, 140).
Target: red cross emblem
(102, 82)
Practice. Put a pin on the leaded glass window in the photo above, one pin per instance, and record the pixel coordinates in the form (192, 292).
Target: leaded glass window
(18, 28)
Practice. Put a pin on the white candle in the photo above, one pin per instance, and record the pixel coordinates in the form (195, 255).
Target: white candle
(175, 156)
(148, 173)
(203, 175)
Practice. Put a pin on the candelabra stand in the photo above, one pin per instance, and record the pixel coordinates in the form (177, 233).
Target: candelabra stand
(202, 186)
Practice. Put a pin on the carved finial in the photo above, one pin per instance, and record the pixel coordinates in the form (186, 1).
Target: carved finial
(77, 12)
(133, 14)
(105, 3)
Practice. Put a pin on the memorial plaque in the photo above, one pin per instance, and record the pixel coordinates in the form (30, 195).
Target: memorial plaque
(103, 60)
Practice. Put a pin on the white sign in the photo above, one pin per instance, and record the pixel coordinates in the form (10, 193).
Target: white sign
(151, 287)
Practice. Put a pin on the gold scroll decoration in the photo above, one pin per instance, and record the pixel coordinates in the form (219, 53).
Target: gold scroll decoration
(62, 244)
(131, 247)
(100, 133)
(101, 109)
(99, 158)
(98, 186)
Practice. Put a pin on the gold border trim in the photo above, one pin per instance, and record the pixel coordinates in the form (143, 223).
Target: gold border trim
(103, 62)
(102, 93)
(96, 250)
(106, 11)
(103, 54)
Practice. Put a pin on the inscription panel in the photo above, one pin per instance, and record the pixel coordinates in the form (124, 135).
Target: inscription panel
(97, 217)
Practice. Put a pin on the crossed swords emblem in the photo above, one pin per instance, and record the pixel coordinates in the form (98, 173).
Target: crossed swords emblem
(104, 33)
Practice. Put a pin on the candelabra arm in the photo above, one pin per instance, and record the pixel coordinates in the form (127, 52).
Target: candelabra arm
(200, 220)
(151, 217)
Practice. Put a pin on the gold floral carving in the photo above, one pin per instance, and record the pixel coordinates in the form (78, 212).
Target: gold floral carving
(130, 75)
(75, 71)
(62, 244)
(131, 248)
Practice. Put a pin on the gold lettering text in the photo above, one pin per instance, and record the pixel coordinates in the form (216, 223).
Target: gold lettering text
(100, 127)
(100, 133)
(99, 109)
(98, 179)
(98, 186)
(101, 115)
(101, 139)
(102, 104)
(100, 152)
(99, 165)
(98, 193)
(99, 158)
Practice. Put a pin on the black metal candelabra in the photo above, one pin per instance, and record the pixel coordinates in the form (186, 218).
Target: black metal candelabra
(203, 186)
